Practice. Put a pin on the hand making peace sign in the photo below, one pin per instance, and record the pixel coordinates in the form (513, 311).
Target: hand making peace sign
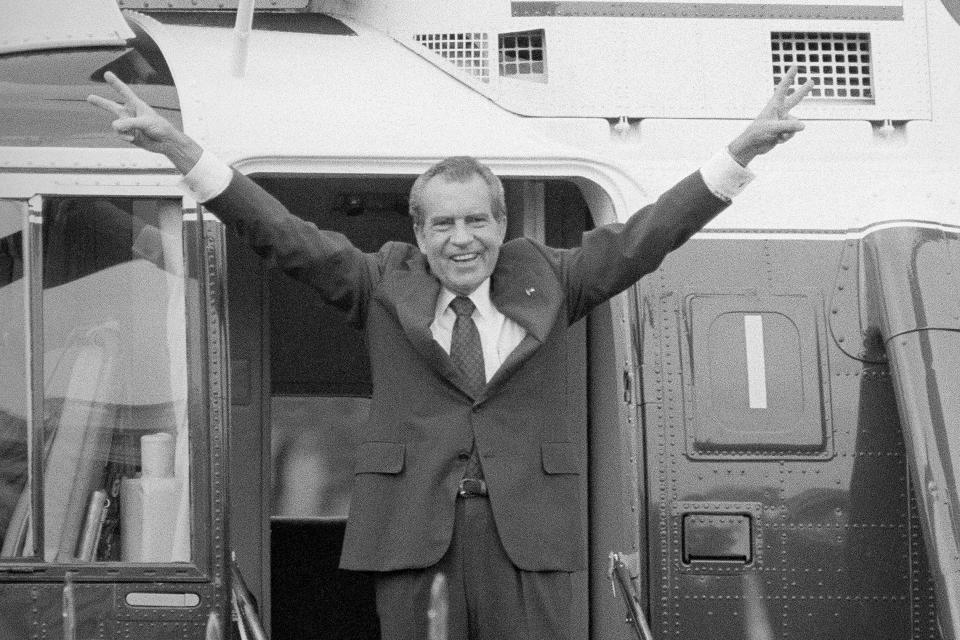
(138, 123)
(774, 124)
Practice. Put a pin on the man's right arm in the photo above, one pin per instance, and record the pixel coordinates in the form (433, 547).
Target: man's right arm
(613, 257)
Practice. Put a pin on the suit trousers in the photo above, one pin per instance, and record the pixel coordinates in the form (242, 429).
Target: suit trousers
(489, 598)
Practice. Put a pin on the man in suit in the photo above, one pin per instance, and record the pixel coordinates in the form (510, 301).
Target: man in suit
(465, 466)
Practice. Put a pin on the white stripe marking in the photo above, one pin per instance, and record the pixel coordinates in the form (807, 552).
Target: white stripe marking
(756, 367)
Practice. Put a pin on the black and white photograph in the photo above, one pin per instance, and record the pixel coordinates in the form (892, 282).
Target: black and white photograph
(479, 320)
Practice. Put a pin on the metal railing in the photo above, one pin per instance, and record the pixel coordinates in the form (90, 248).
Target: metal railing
(245, 614)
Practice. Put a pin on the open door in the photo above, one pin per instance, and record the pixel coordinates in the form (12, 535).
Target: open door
(301, 388)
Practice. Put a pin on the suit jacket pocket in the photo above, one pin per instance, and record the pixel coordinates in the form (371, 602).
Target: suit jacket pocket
(380, 457)
(560, 457)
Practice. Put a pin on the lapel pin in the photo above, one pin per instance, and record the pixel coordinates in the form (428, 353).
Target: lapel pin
(530, 291)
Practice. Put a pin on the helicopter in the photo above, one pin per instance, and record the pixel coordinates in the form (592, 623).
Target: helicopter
(770, 419)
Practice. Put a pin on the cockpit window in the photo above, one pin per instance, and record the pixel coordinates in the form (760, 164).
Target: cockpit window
(113, 380)
(43, 93)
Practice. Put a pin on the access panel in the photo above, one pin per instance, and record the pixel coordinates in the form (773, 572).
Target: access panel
(757, 375)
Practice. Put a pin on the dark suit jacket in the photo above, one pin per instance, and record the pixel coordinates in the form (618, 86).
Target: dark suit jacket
(423, 417)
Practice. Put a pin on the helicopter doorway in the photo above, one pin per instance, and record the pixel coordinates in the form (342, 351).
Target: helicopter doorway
(301, 388)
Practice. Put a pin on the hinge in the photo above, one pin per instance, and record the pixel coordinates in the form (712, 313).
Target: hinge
(627, 386)
(630, 560)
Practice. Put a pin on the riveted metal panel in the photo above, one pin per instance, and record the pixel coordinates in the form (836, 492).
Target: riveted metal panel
(35, 611)
(848, 314)
(44, 24)
(215, 288)
(160, 630)
(838, 547)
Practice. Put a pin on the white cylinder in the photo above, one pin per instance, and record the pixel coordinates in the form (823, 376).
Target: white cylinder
(156, 455)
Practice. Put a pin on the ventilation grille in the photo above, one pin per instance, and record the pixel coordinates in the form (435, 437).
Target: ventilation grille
(523, 55)
(840, 64)
(466, 50)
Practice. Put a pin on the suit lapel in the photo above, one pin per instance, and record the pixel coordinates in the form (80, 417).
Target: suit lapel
(526, 290)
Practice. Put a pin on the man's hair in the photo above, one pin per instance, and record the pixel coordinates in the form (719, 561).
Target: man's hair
(457, 169)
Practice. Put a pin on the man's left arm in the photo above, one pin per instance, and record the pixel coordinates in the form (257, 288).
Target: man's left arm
(613, 257)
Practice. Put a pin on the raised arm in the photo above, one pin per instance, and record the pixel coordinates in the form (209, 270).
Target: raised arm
(612, 257)
(138, 123)
(324, 260)
(774, 125)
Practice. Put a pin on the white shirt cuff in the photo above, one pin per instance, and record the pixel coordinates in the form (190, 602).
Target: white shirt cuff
(209, 178)
(724, 176)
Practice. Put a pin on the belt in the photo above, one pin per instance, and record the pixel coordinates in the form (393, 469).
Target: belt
(472, 488)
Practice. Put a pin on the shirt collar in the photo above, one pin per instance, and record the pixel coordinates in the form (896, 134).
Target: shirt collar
(480, 298)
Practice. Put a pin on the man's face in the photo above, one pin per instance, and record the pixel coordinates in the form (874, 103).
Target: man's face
(460, 236)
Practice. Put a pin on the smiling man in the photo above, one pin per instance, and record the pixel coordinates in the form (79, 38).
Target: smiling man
(465, 466)
(460, 221)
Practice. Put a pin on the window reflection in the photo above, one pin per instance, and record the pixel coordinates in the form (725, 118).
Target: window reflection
(13, 367)
(314, 440)
(116, 457)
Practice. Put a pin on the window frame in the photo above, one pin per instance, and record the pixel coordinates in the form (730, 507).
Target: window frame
(206, 357)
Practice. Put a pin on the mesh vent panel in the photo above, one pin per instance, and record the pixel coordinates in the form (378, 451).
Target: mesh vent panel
(839, 63)
(466, 50)
(523, 54)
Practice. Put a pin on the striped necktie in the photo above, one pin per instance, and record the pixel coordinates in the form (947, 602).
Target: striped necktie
(467, 353)
(465, 348)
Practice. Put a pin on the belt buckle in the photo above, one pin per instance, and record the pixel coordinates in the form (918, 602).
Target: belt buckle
(471, 487)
